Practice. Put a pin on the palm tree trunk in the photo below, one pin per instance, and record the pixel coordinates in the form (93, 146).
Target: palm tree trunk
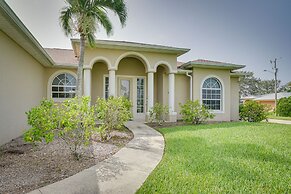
(79, 91)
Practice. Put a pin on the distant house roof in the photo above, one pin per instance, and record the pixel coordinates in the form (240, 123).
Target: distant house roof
(249, 97)
(268, 97)
(211, 65)
(64, 57)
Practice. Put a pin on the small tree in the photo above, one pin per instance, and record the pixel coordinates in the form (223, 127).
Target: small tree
(158, 113)
(252, 111)
(284, 107)
(73, 121)
(112, 113)
(195, 113)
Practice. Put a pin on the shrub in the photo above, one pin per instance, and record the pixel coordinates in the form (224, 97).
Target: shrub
(77, 123)
(43, 119)
(252, 111)
(73, 121)
(158, 113)
(112, 113)
(195, 113)
(284, 107)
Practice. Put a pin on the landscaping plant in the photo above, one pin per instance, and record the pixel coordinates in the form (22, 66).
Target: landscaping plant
(195, 113)
(284, 107)
(77, 123)
(44, 120)
(158, 113)
(112, 114)
(252, 111)
(73, 121)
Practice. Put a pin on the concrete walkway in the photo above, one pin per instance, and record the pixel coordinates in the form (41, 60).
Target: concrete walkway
(124, 172)
(279, 121)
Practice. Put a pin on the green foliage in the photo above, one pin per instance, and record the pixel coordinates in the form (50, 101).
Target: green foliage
(112, 113)
(285, 88)
(78, 123)
(195, 113)
(158, 113)
(284, 107)
(252, 111)
(251, 85)
(43, 119)
(229, 157)
(73, 121)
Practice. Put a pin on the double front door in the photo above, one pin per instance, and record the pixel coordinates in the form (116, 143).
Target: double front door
(133, 88)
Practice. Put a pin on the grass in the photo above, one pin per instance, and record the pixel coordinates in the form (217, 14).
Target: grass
(224, 158)
(279, 118)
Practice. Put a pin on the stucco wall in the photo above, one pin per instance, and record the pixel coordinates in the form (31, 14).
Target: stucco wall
(182, 91)
(112, 58)
(199, 75)
(21, 85)
(234, 95)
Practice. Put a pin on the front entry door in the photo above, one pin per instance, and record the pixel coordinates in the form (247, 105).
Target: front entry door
(133, 88)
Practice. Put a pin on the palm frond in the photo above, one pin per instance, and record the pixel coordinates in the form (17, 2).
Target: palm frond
(65, 20)
(117, 6)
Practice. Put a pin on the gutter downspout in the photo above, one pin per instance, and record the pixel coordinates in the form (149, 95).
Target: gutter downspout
(191, 93)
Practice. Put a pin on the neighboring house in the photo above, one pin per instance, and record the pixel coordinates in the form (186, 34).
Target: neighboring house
(144, 73)
(267, 99)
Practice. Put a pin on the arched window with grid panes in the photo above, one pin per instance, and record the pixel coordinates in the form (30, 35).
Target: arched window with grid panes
(212, 94)
(64, 86)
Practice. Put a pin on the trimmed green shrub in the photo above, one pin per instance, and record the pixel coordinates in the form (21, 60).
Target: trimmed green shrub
(112, 114)
(284, 107)
(77, 123)
(158, 113)
(252, 111)
(195, 113)
(43, 119)
(73, 121)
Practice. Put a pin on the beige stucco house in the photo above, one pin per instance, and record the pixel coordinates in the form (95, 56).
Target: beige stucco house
(144, 73)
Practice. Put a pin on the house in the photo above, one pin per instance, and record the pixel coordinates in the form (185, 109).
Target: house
(267, 99)
(144, 73)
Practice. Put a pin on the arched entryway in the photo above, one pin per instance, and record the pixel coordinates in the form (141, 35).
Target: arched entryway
(161, 85)
(99, 80)
(131, 83)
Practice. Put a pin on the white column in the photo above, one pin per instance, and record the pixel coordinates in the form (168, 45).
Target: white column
(171, 93)
(87, 82)
(112, 83)
(150, 90)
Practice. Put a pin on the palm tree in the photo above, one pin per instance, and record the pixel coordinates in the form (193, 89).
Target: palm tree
(84, 17)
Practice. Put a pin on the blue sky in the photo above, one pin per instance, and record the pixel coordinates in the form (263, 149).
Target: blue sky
(250, 32)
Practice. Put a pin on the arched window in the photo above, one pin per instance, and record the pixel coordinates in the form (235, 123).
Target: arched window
(212, 94)
(64, 86)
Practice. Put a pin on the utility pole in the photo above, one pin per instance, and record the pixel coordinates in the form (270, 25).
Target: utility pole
(275, 69)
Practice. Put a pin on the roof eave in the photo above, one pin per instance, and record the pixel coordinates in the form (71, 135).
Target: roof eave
(190, 65)
(108, 44)
(19, 28)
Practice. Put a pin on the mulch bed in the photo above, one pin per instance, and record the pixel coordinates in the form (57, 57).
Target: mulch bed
(25, 167)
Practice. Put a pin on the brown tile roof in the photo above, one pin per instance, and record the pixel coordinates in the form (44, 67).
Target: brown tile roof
(205, 61)
(62, 56)
(179, 63)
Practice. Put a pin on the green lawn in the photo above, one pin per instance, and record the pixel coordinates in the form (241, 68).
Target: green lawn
(224, 158)
(280, 118)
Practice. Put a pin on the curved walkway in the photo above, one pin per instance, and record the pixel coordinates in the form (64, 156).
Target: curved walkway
(124, 172)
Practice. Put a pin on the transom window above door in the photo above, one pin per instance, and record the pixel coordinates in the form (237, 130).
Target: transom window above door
(64, 86)
(212, 94)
